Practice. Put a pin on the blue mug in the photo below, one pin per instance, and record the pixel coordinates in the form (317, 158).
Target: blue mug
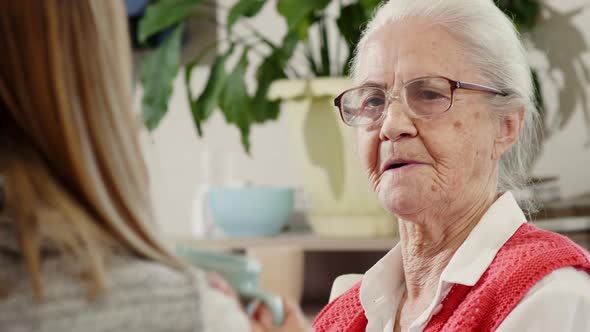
(243, 276)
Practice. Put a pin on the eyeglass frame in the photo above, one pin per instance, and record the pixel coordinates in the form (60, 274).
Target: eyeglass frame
(454, 86)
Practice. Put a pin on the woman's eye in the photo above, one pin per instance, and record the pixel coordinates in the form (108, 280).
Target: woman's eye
(430, 95)
(374, 102)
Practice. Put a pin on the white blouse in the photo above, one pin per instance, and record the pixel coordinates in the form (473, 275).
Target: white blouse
(558, 302)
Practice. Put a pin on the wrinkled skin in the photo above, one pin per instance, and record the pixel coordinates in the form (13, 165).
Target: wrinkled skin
(456, 152)
(452, 181)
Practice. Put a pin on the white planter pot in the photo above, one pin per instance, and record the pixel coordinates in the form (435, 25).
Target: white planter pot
(342, 203)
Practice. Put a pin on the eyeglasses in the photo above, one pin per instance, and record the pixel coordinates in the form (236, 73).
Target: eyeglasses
(424, 96)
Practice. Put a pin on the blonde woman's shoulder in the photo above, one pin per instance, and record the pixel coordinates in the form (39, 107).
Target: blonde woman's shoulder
(218, 312)
(141, 295)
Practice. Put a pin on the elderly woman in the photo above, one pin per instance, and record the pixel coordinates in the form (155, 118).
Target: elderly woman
(446, 120)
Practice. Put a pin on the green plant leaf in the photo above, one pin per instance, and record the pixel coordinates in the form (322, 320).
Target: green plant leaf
(299, 14)
(289, 43)
(271, 69)
(350, 23)
(369, 7)
(247, 8)
(205, 104)
(235, 102)
(524, 13)
(163, 14)
(324, 50)
(261, 108)
(311, 62)
(157, 74)
(187, 82)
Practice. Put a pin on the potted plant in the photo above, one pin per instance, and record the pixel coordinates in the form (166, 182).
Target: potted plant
(226, 89)
(336, 186)
(341, 200)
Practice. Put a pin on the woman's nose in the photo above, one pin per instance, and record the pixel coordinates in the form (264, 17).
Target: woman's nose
(397, 124)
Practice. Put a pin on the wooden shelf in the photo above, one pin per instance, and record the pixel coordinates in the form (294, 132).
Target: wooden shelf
(310, 242)
(305, 241)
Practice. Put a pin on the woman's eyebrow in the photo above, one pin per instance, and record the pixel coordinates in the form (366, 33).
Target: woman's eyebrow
(373, 84)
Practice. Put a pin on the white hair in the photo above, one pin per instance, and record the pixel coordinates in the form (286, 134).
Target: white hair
(495, 50)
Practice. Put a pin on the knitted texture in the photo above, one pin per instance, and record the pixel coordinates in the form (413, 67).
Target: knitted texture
(523, 261)
(528, 256)
(343, 314)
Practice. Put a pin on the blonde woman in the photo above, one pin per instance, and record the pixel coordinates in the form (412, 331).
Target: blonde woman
(78, 249)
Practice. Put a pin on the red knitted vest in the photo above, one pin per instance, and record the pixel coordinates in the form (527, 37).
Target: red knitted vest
(528, 256)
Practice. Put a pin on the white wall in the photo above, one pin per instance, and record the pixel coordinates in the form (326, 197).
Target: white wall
(179, 162)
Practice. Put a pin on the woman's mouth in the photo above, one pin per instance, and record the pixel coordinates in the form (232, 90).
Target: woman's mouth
(398, 165)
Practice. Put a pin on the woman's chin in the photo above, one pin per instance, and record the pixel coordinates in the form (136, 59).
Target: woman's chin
(403, 204)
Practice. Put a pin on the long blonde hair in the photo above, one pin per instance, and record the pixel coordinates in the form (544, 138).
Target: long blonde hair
(69, 150)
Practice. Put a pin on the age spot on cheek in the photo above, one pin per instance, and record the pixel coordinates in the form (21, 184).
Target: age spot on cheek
(458, 124)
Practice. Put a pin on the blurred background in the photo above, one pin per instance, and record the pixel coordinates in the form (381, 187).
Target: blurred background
(246, 153)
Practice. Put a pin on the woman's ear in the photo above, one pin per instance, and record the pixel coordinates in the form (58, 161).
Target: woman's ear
(508, 131)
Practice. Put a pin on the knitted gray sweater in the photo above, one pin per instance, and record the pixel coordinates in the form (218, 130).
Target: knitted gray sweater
(141, 296)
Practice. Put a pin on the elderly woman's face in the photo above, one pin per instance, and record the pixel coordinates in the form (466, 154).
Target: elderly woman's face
(448, 157)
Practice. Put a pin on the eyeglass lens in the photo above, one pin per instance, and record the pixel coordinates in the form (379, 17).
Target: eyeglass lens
(424, 97)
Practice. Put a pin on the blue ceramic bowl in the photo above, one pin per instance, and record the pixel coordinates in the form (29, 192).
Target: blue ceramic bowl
(251, 211)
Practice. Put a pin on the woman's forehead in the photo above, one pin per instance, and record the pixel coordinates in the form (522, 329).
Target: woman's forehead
(405, 50)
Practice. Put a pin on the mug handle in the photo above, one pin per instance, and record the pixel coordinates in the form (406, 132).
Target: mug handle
(273, 302)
